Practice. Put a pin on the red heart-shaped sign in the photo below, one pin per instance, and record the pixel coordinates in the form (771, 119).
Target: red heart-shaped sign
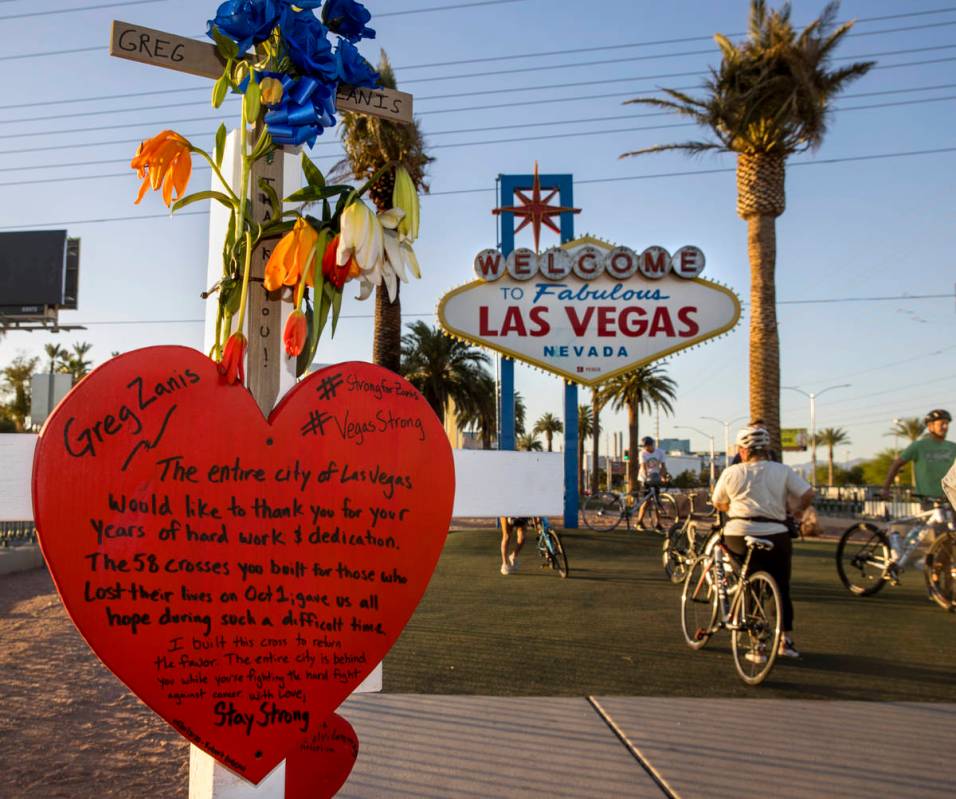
(241, 575)
(321, 764)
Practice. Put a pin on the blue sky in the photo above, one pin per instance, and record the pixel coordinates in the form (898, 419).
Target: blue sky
(880, 227)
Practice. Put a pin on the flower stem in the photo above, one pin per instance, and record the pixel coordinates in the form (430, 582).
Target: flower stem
(243, 193)
(217, 171)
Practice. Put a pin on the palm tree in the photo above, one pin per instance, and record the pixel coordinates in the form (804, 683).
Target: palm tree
(639, 390)
(596, 404)
(770, 98)
(442, 368)
(528, 442)
(75, 363)
(548, 424)
(479, 410)
(16, 381)
(521, 414)
(371, 143)
(585, 429)
(831, 437)
(910, 428)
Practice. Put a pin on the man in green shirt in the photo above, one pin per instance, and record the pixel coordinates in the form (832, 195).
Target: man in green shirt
(931, 455)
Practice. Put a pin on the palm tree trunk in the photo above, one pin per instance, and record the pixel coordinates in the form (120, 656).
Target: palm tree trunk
(595, 438)
(760, 200)
(764, 336)
(387, 340)
(829, 466)
(632, 447)
(549, 436)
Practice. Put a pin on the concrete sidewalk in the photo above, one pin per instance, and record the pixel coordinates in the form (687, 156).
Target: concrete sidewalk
(434, 747)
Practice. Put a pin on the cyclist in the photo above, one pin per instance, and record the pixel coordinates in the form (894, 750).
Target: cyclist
(652, 471)
(932, 456)
(757, 494)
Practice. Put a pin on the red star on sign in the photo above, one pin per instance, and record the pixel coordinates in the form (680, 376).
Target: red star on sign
(535, 210)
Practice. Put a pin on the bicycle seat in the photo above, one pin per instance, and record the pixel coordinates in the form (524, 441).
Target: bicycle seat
(758, 543)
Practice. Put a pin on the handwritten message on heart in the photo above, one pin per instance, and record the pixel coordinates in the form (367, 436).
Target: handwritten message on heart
(241, 575)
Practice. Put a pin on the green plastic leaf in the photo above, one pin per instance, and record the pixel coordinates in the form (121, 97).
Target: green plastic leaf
(227, 47)
(312, 173)
(336, 309)
(263, 146)
(189, 199)
(220, 144)
(251, 99)
(219, 89)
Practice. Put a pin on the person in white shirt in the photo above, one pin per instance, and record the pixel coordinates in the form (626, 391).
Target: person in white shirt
(652, 471)
(757, 495)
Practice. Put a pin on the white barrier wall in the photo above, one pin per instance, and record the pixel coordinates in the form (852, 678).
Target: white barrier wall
(488, 483)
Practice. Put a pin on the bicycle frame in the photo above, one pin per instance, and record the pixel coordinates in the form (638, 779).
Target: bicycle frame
(722, 558)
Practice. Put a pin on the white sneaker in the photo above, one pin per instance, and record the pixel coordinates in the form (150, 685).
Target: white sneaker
(786, 649)
(505, 568)
(756, 656)
(513, 561)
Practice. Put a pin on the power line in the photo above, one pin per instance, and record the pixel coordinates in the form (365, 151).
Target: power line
(564, 135)
(499, 127)
(689, 173)
(444, 8)
(78, 8)
(680, 40)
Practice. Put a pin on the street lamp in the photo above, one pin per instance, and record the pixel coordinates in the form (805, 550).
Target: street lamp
(713, 476)
(813, 424)
(726, 434)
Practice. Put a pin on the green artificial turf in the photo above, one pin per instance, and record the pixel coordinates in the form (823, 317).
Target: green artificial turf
(613, 628)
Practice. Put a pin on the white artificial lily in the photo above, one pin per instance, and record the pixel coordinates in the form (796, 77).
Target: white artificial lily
(361, 237)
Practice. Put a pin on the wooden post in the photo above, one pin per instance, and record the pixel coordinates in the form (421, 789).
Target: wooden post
(270, 373)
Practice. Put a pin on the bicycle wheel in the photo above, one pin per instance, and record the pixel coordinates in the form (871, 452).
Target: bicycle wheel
(674, 554)
(940, 572)
(756, 636)
(667, 513)
(557, 558)
(698, 604)
(603, 512)
(863, 559)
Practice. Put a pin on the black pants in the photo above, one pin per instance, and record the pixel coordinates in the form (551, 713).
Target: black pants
(776, 562)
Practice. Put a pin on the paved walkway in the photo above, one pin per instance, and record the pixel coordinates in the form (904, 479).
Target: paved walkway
(432, 747)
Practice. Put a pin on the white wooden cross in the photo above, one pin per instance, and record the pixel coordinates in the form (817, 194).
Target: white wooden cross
(269, 374)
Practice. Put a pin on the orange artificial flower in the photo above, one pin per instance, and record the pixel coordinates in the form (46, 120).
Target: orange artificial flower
(291, 257)
(335, 274)
(295, 334)
(165, 160)
(232, 366)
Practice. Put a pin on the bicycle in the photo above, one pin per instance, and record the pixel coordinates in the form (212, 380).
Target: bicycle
(867, 559)
(719, 594)
(685, 542)
(550, 547)
(605, 511)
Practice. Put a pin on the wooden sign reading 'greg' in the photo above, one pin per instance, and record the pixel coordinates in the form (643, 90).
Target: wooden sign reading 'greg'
(241, 575)
(158, 48)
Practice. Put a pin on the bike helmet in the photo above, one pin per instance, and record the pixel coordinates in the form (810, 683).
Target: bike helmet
(936, 415)
(753, 438)
(647, 441)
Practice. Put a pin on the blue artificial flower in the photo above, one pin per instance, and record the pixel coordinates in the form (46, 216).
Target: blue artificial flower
(347, 18)
(247, 22)
(307, 41)
(353, 69)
